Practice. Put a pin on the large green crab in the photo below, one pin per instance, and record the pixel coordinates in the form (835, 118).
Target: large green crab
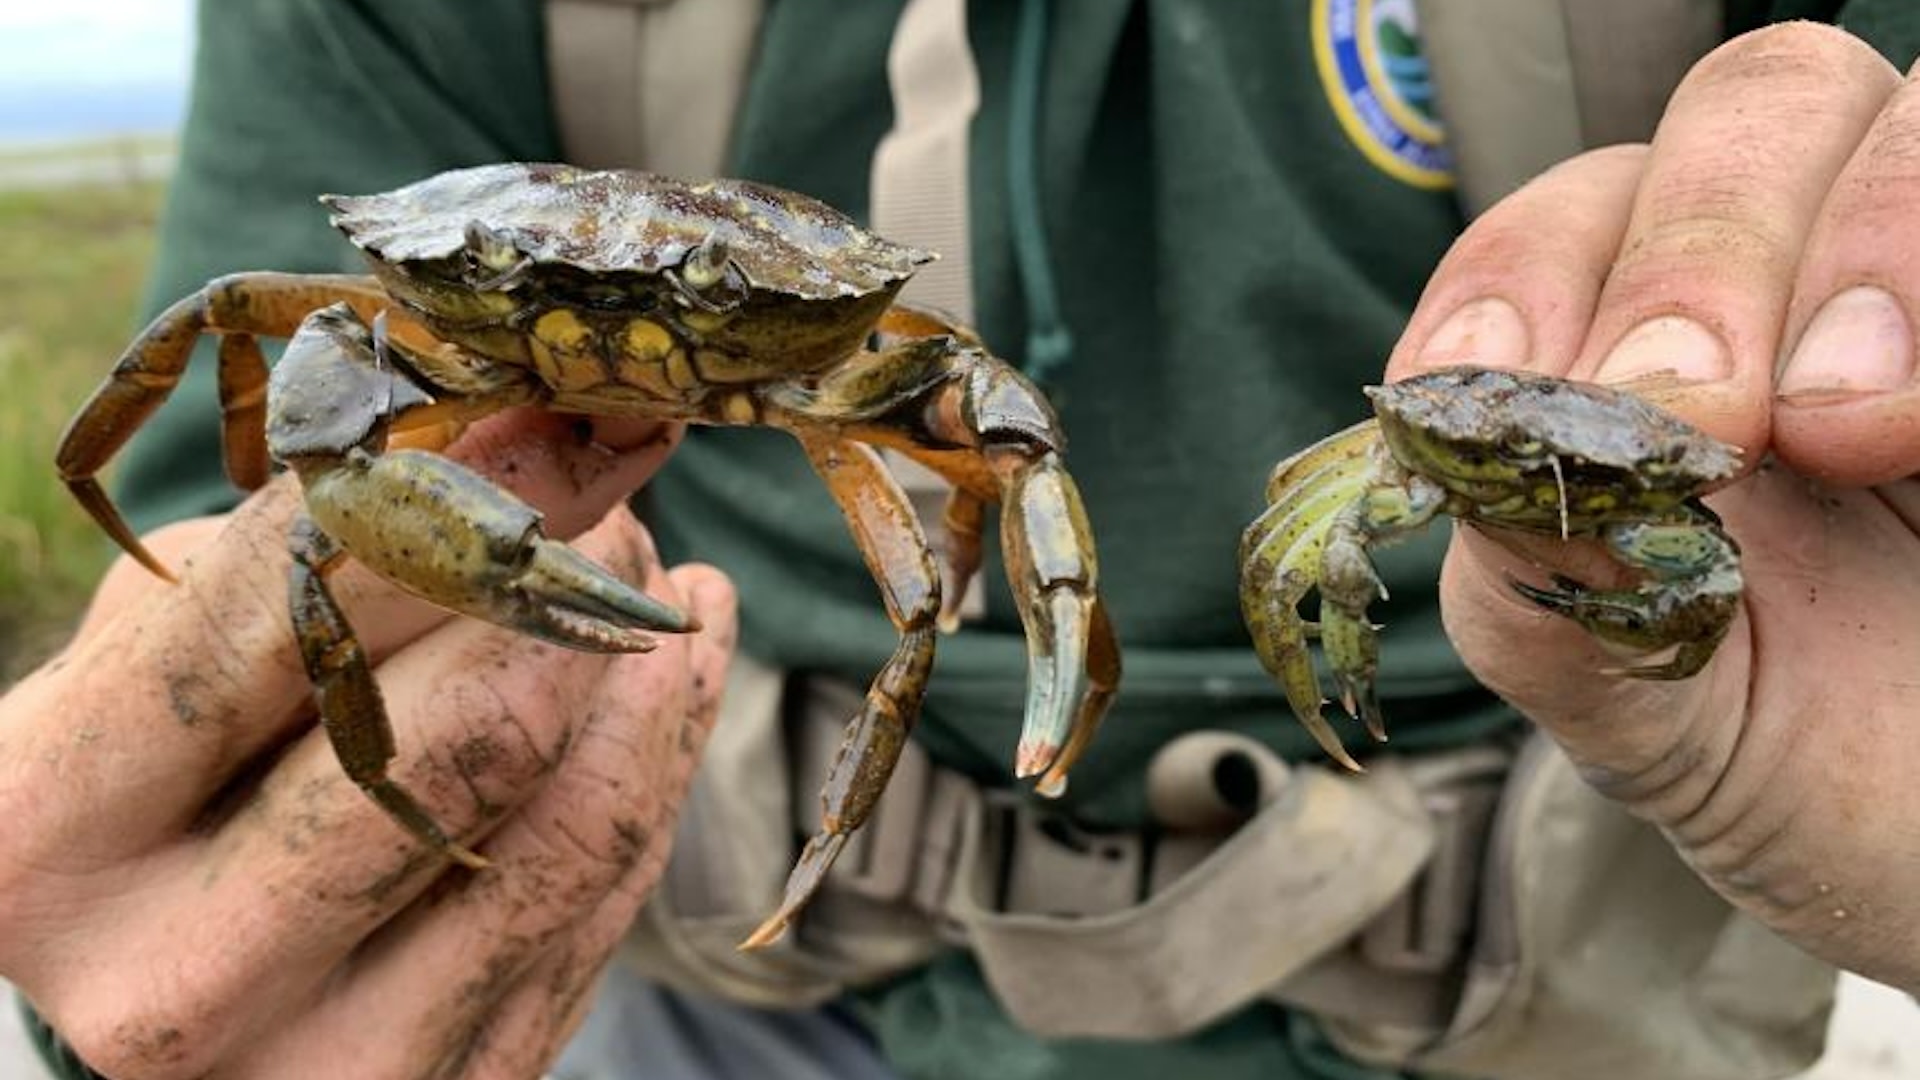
(1503, 448)
(622, 293)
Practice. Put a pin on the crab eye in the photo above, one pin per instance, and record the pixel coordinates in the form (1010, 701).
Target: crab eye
(707, 278)
(495, 260)
(706, 265)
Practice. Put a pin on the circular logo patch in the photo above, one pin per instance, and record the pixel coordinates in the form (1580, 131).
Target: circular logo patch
(1368, 53)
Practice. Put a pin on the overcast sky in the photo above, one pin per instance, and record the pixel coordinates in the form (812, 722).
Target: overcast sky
(51, 42)
(83, 68)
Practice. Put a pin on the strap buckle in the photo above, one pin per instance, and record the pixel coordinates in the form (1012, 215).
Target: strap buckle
(908, 852)
(1424, 931)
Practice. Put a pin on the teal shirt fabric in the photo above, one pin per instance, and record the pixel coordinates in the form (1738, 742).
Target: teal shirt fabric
(1230, 266)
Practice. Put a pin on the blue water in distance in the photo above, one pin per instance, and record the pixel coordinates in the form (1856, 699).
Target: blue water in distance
(32, 114)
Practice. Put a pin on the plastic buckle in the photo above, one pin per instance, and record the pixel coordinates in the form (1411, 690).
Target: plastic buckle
(1051, 866)
(1425, 929)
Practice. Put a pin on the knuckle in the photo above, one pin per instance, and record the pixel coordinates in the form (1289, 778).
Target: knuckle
(1715, 225)
(1789, 53)
(1601, 161)
(1579, 196)
(1876, 192)
(158, 1040)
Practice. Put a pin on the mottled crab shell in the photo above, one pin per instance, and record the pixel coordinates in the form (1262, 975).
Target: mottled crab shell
(618, 221)
(1576, 420)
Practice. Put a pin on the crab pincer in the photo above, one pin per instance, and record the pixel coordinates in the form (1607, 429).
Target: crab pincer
(426, 523)
(938, 396)
(1072, 660)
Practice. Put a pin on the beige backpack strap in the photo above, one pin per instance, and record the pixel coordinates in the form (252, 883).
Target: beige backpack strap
(919, 196)
(650, 84)
(1523, 84)
(919, 190)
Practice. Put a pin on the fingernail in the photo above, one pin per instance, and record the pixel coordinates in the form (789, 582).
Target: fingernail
(1858, 342)
(1488, 332)
(1671, 347)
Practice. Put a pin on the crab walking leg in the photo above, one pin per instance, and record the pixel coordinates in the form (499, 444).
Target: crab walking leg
(907, 321)
(961, 524)
(243, 305)
(1277, 552)
(1696, 589)
(352, 711)
(897, 554)
(243, 410)
(1394, 504)
(1333, 456)
(1280, 562)
(964, 519)
(1073, 655)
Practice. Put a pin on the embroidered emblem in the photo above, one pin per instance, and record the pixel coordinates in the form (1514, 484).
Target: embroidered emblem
(1368, 54)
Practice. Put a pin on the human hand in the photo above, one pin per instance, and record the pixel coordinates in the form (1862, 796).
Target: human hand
(1772, 217)
(190, 886)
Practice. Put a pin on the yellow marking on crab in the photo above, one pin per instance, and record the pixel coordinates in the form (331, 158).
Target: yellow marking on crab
(739, 408)
(680, 373)
(571, 364)
(647, 340)
(706, 322)
(649, 376)
(544, 361)
(563, 331)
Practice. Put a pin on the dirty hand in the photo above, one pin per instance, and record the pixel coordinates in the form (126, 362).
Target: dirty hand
(1772, 218)
(191, 887)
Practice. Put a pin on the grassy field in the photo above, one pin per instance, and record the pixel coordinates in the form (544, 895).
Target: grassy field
(72, 260)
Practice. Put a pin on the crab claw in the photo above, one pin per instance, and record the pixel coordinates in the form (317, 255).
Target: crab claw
(566, 598)
(450, 536)
(1351, 642)
(1689, 601)
(1283, 556)
(1073, 662)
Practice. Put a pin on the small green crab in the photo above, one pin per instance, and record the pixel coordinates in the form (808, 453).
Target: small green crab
(1503, 448)
(622, 294)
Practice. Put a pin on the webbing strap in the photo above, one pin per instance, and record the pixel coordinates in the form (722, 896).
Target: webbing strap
(919, 189)
(650, 84)
(918, 195)
(1311, 900)
(1523, 84)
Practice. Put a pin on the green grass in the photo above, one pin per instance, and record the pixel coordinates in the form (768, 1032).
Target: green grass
(71, 265)
(109, 149)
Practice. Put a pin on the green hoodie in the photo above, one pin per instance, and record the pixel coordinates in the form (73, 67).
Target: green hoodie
(1235, 229)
